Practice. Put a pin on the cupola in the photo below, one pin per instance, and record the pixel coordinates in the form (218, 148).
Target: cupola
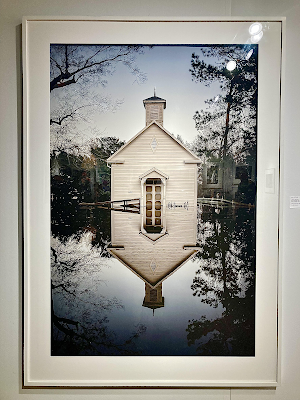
(154, 109)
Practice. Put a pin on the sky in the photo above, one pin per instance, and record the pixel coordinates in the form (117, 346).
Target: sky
(167, 70)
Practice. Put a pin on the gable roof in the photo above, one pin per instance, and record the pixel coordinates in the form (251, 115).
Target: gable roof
(110, 159)
(154, 170)
(118, 254)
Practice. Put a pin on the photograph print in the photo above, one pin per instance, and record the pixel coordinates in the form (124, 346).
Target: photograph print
(153, 152)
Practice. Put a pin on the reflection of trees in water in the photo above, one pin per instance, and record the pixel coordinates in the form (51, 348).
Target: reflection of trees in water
(77, 179)
(68, 218)
(79, 310)
(225, 278)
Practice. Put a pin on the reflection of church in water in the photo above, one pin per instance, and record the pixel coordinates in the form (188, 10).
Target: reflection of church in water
(159, 170)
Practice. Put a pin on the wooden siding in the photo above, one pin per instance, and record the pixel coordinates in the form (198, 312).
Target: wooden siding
(139, 253)
(168, 157)
(154, 111)
(180, 205)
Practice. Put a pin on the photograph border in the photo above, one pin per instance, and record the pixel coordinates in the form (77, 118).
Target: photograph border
(39, 370)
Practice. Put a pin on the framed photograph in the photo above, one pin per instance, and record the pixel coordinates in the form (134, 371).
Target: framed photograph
(150, 212)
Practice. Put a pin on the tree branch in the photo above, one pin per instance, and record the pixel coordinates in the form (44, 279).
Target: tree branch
(57, 82)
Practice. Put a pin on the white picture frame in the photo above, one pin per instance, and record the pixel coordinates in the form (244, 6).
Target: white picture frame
(39, 368)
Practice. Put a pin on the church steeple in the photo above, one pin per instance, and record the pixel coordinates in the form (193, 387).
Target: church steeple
(154, 109)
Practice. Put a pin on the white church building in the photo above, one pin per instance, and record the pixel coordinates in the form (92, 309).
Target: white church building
(161, 172)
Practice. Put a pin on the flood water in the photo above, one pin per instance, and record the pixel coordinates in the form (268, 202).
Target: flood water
(206, 306)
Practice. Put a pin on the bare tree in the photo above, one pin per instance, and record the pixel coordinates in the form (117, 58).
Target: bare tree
(70, 64)
(77, 73)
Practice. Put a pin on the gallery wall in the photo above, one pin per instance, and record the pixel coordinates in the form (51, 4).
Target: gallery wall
(11, 12)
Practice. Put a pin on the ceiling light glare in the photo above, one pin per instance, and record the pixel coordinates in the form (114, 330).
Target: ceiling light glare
(231, 65)
(255, 28)
(249, 54)
(256, 38)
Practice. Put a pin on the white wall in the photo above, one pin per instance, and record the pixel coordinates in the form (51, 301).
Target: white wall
(11, 12)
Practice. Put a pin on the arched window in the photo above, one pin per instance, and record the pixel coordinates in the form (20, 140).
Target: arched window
(153, 210)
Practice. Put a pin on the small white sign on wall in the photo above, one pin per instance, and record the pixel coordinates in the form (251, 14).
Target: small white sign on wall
(294, 201)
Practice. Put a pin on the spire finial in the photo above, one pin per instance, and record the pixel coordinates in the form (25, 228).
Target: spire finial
(154, 91)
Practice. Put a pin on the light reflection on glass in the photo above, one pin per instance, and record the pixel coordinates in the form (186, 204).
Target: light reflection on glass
(249, 54)
(231, 65)
(255, 28)
(257, 38)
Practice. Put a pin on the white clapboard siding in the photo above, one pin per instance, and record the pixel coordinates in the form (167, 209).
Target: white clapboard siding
(168, 253)
(138, 253)
(169, 157)
(136, 159)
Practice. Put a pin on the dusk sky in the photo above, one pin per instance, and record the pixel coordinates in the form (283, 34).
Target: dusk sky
(167, 69)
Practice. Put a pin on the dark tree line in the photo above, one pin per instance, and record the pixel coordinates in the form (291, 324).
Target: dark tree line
(79, 179)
